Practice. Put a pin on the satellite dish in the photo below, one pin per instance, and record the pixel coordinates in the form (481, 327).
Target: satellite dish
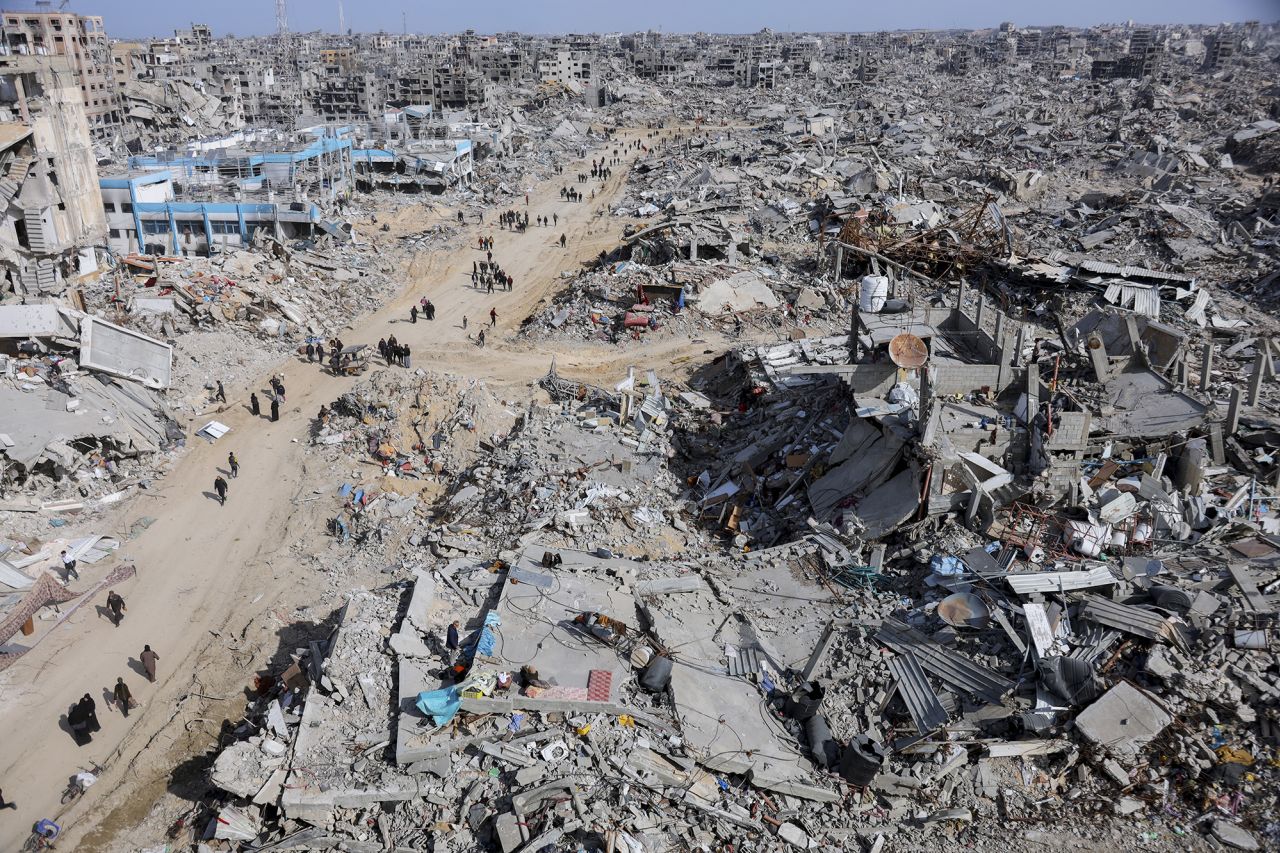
(964, 610)
(908, 351)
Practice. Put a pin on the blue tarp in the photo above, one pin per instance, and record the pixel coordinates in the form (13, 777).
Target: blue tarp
(440, 705)
(488, 639)
(946, 566)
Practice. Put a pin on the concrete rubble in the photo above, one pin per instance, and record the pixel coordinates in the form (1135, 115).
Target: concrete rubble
(965, 533)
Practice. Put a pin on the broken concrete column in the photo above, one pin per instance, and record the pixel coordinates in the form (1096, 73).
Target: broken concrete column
(1233, 412)
(1206, 366)
(1191, 465)
(1098, 355)
(1256, 376)
(1007, 340)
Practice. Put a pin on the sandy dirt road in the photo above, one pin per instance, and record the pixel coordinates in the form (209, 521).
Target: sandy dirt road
(207, 573)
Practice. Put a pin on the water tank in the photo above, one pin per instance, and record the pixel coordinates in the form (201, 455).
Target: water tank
(861, 760)
(873, 293)
(657, 675)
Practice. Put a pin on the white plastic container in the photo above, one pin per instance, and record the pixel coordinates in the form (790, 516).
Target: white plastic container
(874, 293)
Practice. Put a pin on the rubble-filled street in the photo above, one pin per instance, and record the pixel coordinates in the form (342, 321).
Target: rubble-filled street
(640, 443)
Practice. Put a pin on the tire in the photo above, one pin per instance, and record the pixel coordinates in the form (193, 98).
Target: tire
(33, 844)
(70, 794)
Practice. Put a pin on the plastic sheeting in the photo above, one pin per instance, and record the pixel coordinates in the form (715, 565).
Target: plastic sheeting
(440, 705)
(488, 639)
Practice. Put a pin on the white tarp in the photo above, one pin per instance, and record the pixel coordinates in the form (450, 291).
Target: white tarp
(213, 430)
(741, 292)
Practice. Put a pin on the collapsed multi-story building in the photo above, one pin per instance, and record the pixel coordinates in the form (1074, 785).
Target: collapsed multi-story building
(83, 41)
(52, 211)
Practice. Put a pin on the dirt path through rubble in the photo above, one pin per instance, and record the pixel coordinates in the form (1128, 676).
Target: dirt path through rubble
(207, 572)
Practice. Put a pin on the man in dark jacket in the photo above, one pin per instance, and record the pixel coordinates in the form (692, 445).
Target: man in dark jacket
(123, 696)
(115, 604)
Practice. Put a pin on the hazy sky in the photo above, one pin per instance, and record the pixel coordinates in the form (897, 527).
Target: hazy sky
(125, 18)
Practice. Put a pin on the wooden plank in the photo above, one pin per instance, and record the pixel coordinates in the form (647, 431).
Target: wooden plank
(1108, 469)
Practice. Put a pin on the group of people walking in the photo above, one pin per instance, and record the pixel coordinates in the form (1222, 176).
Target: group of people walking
(394, 352)
(486, 274)
(428, 310)
(82, 716)
(513, 220)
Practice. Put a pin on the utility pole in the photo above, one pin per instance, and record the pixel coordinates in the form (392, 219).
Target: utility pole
(282, 17)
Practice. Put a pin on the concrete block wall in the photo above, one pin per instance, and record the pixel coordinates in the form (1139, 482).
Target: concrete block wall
(873, 380)
(962, 378)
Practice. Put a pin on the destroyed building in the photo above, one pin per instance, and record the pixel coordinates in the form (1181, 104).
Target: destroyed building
(53, 217)
(82, 40)
(946, 516)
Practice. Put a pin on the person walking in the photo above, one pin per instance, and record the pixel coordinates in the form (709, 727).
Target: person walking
(69, 568)
(413, 314)
(555, 218)
(89, 709)
(116, 606)
(77, 721)
(493, 317)
(149, 659)
(431, 310)
(480, 339)
(123, 696)
(464, 322)
(234, 464)
(220, 487)
(311, 352)
(254, 408)
(320, 354)
(563, 241)
(7, 804)
(382, 348)
(275, 408)
(405, 356)
(221, 394)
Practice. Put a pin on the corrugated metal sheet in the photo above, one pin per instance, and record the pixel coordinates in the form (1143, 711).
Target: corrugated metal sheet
(746, 664)
(1141, 298)
(1104, 268)
(1196, 312)
(954, 670)
(922, 702)
(1060, 581)
(1138, 621)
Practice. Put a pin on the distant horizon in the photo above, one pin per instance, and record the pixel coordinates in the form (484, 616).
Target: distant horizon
(129, 19)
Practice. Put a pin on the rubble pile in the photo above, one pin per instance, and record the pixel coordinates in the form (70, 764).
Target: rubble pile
(970, 539)
(940, 682)
(77, 432)
(628, 302)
